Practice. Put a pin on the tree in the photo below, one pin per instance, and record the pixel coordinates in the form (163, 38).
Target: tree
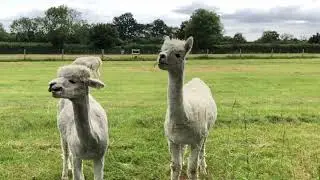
(59, 22)
(80, 33)
(24, 29)
(227, 40)
(29, 29)
(269, 37)
(238, 38)
(4, 36)
(40, 32)
(104, 36)
(314, 39)
(206, 28)
(181, 33)
(285, 37)
(143, 31)
(159, 29)
(126, 26)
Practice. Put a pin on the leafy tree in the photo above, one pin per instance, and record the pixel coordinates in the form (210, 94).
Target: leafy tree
(24, 29)
(127, 26)
(303, 38)
(143, 31)
(227, 40)
(181, 33)
(173, 31)
(80, 33)
(206, 28)
(29, 29)
(285, 37)
(314, 39)
(40, 32)
(269, 37)
(159, 29)
(238, 38)
(104, 36)
(59, 22)
(4, 36)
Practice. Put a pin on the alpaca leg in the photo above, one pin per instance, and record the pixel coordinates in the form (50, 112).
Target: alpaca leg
(193, 162)
(98, 73)
(65, 157)
(70, 163)
(98, 169)
(176, 160)
(182, 153)
(77, 169)
(202, 158)
(95, 74)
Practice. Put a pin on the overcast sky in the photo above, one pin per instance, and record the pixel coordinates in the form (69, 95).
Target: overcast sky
(250, 17)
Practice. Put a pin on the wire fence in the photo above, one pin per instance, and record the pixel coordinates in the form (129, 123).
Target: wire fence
(137, 54)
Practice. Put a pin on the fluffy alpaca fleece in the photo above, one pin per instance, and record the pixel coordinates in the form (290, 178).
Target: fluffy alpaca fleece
(191, 109)
(82, 121)
(91, 62)
(76, 72)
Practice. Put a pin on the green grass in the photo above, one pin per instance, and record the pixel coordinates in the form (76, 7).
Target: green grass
(268, 124)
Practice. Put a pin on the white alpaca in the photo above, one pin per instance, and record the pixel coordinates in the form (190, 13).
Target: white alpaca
(91, 62)
(81, 120)
(191, 111)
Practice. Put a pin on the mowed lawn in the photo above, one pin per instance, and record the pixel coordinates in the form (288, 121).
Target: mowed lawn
(268, 123)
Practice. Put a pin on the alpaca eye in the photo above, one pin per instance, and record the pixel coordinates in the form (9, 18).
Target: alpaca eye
(178, 55)
(72, 82)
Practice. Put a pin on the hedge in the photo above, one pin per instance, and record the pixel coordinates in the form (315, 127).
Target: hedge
(47, 48)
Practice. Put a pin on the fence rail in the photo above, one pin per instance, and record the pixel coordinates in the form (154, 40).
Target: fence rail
(150, 57)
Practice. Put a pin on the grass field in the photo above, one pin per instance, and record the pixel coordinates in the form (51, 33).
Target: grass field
(268, 125)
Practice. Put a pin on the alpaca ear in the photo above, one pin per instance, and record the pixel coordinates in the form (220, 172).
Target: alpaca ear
(166, 38)
(95, 83)
(189, 44)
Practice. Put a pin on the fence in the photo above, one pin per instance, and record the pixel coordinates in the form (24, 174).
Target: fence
(247, 48)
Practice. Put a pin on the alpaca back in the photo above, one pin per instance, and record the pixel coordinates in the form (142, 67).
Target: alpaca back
(93, 63)
(199, 104)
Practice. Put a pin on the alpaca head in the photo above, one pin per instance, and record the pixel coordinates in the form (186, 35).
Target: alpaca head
(73, 82)
(173, 53)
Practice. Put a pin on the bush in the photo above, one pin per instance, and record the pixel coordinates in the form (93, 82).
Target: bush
(47, 48)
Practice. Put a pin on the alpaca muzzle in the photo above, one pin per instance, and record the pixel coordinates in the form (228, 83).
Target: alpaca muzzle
(54, 88)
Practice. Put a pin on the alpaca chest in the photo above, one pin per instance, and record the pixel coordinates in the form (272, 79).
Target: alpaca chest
(183, 133)
(89, 150)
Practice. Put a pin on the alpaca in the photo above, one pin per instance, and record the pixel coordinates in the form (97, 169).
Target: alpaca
(191, 110)
(82, 121)
(91, 62)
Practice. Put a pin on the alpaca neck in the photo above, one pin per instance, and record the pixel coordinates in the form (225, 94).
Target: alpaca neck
(81, 110)
(175, 95)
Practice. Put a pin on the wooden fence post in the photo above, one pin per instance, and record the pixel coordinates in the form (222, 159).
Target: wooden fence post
(102, 54)
(62, 54)
(24, 54)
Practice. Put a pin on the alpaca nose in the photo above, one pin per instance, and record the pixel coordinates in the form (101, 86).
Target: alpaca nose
(162, 56)
(161, 60)
(52, 87)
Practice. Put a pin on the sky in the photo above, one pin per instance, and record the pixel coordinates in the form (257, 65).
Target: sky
(250, 17)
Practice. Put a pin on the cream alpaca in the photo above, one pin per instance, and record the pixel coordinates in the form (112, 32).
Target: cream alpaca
(191, 109)
(91, 62)
(81, 120)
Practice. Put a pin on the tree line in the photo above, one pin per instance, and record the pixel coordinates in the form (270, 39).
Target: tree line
(63, 25)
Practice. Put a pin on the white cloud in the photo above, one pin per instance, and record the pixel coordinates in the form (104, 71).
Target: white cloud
(250, 17)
